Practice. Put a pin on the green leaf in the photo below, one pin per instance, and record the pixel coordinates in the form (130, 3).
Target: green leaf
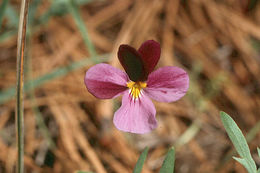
(245, 163)
(258, 151)
(140, 161)
(239, 141)
(168, 163)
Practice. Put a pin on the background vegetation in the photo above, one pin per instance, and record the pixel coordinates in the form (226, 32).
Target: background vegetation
(67, 129)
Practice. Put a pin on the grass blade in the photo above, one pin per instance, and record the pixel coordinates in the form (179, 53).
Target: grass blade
(33, 10)
(13, 18)
(74, 10)
(168, 163)
(7, 34)
(2, 11)
(28, 76)
(9, 93)
(140, 161)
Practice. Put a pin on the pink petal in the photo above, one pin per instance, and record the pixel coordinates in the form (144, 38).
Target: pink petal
(105, 81)
(150, 52)
(135, 116)
(167, 84)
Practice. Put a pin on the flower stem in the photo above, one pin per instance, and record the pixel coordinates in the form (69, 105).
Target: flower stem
(20, 84)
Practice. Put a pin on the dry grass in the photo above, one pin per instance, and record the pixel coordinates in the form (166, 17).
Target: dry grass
(217, 42)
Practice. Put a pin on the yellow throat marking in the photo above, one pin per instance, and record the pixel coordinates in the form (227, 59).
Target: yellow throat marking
(136, 88)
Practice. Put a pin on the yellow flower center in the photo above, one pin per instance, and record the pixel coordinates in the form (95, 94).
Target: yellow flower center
(136, 88)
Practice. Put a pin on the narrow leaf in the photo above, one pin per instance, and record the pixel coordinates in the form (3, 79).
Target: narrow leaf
(238, 140)
(140, 161)
(258, 151)
(168, 163)
(245, 163)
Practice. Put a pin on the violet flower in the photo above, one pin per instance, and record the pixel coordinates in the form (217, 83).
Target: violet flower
(137, 85)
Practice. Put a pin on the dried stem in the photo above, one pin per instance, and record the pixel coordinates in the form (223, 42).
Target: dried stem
(20, 84)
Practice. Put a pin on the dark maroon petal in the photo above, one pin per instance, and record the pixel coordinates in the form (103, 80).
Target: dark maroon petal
(150, 53)
(131, 60)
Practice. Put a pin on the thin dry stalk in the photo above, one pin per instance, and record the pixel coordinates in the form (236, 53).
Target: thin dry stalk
(20, 84)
